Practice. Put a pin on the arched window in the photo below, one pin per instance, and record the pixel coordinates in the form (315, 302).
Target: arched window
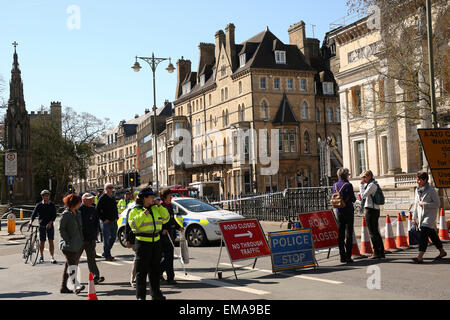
(224, 120)
(305, 111)
(226, 93)
(306, 142)
(210, 121)
(338, 114)
(317, 115)
(264, 110)
(239, 112)
(243, 112)
(227, 118)
(330, 115)
(240, 87)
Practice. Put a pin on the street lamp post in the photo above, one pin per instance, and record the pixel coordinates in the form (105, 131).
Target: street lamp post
(153, 63)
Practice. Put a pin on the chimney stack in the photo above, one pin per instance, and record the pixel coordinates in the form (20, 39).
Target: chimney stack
(297, 35)
(220, 40)
(207, 51)
(183, 68)
(230, 45)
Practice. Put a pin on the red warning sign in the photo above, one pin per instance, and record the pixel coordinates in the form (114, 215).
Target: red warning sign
(323, 226)
(244, 239)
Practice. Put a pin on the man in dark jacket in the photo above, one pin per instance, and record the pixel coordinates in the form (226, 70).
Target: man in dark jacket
(168, 230)
(345, 216)
(90, 223)
(46, 212)
(108, 214)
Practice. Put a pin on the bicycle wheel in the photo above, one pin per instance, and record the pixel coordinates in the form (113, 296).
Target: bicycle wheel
(26, 250)
(34, 250)
(24, 230)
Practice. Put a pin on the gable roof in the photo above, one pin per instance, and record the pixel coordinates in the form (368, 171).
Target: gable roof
(285, 113)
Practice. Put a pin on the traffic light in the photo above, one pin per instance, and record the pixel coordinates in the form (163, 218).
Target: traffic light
(70, 188)
(132, 178)
(138, 179)
(125, 180)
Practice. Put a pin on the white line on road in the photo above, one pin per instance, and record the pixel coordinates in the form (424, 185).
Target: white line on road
(112, 263)
(217, 283)
(298, 276)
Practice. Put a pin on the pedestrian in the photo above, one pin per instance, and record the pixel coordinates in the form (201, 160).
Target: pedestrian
(146, 221)
(108, 214)
(99, 194)
(130, 238)
(345, 215)
(367, 191)
(46, 212)
(123, 203)
(169, 229)
(425, 211)
(90, 222)
(71, 241)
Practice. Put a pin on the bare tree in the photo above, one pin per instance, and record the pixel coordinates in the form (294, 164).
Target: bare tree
(401, 58)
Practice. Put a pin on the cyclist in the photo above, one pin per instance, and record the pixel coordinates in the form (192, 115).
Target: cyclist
(46, 212)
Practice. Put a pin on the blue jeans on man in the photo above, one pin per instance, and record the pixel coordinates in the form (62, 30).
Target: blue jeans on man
(109, 231)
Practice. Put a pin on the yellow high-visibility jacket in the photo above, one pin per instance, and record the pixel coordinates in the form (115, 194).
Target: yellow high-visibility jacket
(147, 227)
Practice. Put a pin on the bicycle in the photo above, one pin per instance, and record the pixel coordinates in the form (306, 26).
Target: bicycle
(31, 248)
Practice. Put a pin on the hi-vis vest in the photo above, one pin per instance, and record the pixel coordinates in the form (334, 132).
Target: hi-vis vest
(143, 226)
(122, 205)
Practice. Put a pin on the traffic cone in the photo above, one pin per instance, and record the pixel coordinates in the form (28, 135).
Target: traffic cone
(389, 241)
(355, 250)
(92, 295)
(366, 247)
(21, 214)
(443, 231)
(400, 239)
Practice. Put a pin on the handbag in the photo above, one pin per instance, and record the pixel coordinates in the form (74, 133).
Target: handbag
(184, 248)
(414, 234)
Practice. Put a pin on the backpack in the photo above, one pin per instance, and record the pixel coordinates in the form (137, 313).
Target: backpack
(378, 197)
(336, 199)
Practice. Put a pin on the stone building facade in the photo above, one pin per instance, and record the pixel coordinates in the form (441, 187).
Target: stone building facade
(260, 84)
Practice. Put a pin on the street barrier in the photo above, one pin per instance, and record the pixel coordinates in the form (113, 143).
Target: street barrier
(292, 249)
(324, 228)
(244, 240)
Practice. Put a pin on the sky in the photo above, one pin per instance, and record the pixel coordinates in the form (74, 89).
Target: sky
(80, 52)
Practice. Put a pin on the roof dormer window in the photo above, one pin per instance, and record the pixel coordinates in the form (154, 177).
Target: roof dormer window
(280, 57)
(202, 80)
(242, 60)
(187, 88)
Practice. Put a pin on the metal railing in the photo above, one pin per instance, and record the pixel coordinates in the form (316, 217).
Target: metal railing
(278, 206)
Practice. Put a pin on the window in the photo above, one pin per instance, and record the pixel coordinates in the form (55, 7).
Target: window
(202, 80)
(306, 142)
(305, 111)
(222, 95)
(356, 99)
(303, 84)
(223, 71)
(328, 88)
(240, 87)
(187, 88)
(360, 157)
(242, 60)
(226, 93)
(317, 115)
(290, 84)
(338, 114)
(262, 83)
(264, 111)
(280, 57)
(210, 121)
(241, 113)
(210, 99)
(276, 83)
(287, 141)
(330, 115)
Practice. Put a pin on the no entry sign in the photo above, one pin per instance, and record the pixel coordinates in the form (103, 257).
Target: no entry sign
(323, 226)
(244, 239)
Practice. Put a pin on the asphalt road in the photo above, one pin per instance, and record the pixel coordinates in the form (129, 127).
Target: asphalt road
(393, 278)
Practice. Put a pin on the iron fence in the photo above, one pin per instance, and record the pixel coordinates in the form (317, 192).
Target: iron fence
(279, 206)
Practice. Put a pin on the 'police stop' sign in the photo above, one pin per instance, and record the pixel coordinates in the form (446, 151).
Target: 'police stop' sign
(323, 226)
(244, 239)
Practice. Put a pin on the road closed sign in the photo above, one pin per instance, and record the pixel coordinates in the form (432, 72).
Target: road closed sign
(11, 164)
(244, 239)
(324, 228)
(292, 249)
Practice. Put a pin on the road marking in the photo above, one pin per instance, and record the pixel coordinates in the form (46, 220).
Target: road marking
(223, 284)
(298, 276)
(111, 263)
(128, 261)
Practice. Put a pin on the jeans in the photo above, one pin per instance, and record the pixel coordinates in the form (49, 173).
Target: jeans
(372, 216)
(345, 238)
(109, 231)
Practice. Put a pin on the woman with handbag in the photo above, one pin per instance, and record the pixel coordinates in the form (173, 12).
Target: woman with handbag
(426, 205)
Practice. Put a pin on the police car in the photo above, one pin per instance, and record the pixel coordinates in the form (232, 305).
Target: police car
(199, 219)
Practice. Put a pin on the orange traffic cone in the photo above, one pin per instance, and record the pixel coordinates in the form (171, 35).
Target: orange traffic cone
(355, 250)
(400, 239)
(92, 295)
(366, 247)
(443, 231)
(389, 241)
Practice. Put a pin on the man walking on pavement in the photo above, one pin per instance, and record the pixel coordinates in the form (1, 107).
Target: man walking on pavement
(90, 224)
(46, 212)
(108, 214)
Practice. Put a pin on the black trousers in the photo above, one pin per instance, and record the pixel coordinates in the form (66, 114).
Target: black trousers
(426, 233)
(148, 258)
(345, 239)
(72, 259)
(167, 252)
(372, 216)
(89, 247)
